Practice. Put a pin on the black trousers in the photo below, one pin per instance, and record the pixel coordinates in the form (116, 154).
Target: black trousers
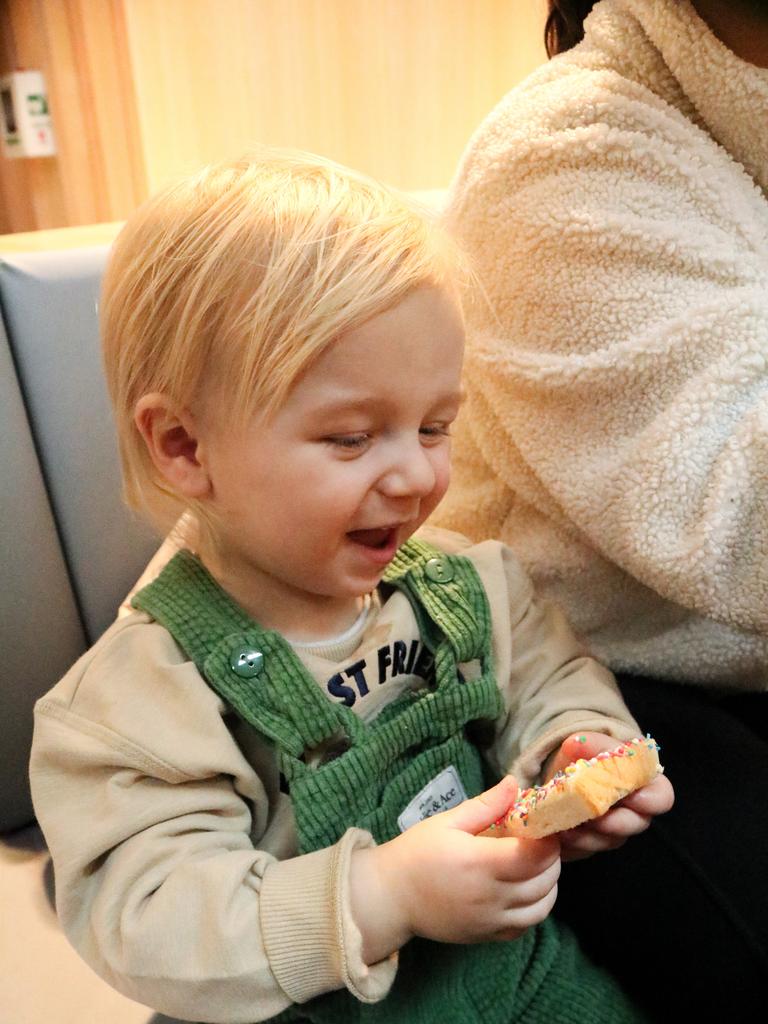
(680, 914)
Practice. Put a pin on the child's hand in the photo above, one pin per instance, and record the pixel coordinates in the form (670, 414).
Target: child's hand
(442, 881)
(628, 817)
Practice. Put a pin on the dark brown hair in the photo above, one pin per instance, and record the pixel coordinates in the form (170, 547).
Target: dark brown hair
(565, 24)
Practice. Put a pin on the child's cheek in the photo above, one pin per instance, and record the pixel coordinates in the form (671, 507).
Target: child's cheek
(442, 479)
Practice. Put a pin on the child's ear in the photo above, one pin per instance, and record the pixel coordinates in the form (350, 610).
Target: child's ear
(171, 438)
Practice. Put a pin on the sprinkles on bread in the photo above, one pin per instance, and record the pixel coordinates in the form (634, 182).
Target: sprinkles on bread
(582, 790)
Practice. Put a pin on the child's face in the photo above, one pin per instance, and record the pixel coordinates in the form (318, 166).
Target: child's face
(316, 499)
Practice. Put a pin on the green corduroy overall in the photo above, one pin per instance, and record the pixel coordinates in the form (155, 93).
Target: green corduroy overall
(541, 978)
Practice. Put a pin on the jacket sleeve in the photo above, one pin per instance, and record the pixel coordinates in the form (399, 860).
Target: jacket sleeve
(550, 685)
(618, 362)
(153, 819)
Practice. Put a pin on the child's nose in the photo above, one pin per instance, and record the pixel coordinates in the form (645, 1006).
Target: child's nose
(411, 473)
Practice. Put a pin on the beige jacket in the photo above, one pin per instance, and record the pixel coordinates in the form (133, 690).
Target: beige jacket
(616, 430)
(177, 877)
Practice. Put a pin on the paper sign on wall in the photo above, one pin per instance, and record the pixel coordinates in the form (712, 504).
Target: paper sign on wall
(26, 120)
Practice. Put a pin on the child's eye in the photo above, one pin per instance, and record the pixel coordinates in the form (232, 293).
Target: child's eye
(436, 430)
(349, 442)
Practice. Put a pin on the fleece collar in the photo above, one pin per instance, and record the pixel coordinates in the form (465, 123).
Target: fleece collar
(694, 70)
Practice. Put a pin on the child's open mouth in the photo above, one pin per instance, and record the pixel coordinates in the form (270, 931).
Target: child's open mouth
(379, 539)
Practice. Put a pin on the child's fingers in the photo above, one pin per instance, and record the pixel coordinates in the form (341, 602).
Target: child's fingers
(635, 812)
(656, 798)
(608, 832)
(480, 812)
(517, 920)
(580, 744)
(516, 860)
(621, 821)
(534, 889)
(583, 843)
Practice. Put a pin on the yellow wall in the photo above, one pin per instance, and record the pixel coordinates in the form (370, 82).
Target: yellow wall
(145, 90)
(393, 87)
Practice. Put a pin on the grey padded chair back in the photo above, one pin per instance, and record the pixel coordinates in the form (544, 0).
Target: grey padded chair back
(69, 549)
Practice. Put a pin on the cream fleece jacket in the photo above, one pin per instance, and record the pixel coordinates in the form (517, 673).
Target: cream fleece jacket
(616, 429)
(177, 875)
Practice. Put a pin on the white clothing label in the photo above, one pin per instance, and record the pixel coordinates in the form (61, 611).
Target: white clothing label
(442, 793)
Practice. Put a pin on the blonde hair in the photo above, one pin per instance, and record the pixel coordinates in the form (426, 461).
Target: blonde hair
(240, 276)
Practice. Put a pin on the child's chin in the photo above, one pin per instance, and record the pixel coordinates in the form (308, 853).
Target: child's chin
(359, 584)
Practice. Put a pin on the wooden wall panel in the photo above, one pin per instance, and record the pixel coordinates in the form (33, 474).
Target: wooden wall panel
(145, 90)
(31, 194)
(394, 87)
(98, 172)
